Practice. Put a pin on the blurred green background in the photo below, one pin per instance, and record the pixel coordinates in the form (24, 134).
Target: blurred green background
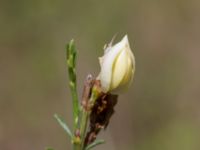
(159, 112)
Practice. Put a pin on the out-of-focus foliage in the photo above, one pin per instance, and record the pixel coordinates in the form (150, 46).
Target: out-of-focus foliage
(161, 109)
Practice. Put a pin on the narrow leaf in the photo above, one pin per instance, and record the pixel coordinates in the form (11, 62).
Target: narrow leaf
(94, 144)
(63, 125)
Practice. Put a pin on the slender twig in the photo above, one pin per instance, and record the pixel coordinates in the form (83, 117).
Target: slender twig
(71, 63)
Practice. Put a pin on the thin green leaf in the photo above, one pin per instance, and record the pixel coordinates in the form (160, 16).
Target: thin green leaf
(71, 64)
(94, 144)
(64, 125)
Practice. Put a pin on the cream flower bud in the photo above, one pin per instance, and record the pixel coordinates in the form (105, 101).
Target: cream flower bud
(117, 66)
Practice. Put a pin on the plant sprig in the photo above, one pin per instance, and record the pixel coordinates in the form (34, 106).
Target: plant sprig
(81, 111)
(71, 64)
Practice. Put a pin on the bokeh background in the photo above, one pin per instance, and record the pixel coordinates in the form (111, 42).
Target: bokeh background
(161, 110)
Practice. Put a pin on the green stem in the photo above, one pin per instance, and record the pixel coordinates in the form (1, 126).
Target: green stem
(75, 104)
(83, 127)
(85, 116)
(76, 147)
(84, 123)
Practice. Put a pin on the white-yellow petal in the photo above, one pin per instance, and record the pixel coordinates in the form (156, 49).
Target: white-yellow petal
(119, 70)
(107, 63)
(117, 66)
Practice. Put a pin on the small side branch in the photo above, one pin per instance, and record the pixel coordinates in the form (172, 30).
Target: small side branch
(71, 63)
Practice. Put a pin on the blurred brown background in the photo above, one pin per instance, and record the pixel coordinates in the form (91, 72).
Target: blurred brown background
(159, 112)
